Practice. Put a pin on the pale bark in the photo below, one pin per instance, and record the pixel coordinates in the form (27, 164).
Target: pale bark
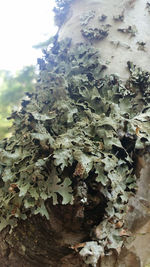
(135, 14)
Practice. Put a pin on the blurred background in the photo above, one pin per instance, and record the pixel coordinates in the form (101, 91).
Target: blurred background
(25, 28)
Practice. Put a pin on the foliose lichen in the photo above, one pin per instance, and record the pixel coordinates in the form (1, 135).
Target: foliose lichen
(86, 17)
(132, 30)
(61, 11)
(73, 142)
(120, 44)
(102, 18)
(94, 34)
(141, 45)
(119, 17)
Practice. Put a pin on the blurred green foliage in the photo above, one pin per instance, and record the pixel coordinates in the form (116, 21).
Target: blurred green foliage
(12, 89)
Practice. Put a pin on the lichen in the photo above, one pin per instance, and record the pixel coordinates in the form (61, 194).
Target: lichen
(61, 11)
(102, 18)
(132, 30)
(91, 253)
(95, 33)
(86, 17)
(73, 142)
(141, 45)
(119, 17)
(120, 44)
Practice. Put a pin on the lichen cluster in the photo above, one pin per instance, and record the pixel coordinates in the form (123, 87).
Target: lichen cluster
(61, 10)
(129, 30)
(74, 141)
(119, 18)
(93, 34)
(84, 19)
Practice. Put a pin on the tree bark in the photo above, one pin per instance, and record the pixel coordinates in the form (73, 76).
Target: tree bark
(118, 48)
(56, 242)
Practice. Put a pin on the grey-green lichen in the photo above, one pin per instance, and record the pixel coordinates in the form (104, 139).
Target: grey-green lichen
(102, 18)
(74, 142)
(132, 30)
(120, 44)
(119, 17)
(94, 34)
(86, 17)
(61, 10)
(141, 45)
(91, 253)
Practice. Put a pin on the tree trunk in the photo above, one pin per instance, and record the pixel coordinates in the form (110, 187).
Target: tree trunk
(117, 48)
(120, 31)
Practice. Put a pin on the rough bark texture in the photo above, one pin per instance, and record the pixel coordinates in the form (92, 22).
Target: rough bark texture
(39, 242)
